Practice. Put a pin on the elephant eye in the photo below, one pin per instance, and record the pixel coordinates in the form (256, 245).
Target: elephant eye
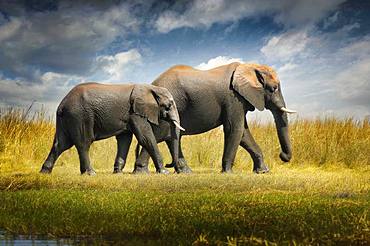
(270, 88)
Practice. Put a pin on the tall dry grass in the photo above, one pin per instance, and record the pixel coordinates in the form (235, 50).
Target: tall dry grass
(25, 141)
(290, 206)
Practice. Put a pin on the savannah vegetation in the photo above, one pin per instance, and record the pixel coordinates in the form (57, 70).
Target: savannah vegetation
(321, 196)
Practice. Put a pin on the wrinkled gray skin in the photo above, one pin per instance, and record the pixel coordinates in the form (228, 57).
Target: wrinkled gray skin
(93, 111)
(223, 96)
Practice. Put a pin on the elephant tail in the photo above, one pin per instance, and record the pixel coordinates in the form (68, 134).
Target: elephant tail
(137, 150)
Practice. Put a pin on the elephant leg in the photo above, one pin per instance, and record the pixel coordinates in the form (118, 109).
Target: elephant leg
(60, 144)
(83, 154)
(182, 166)
(145, 136)
(232, 137)
(123, 146)
(142, 161)
(182, 159)
(250, 145)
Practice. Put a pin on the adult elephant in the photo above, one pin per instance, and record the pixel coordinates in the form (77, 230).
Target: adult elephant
(223, 96)
(93, 111)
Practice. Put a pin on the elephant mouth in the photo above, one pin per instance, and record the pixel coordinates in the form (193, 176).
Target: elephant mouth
(178, 125)
(289, 111)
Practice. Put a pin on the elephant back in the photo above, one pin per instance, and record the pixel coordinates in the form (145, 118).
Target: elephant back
(180, 76)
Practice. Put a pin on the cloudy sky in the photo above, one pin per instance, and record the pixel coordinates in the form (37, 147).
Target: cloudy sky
(321, 49)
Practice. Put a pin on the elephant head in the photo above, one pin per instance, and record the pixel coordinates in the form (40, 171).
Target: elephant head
(260, 86)
(153, 102)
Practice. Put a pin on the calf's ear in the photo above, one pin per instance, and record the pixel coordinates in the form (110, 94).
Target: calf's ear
(144, 104)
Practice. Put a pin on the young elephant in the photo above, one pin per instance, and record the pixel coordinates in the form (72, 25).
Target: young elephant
(93, 111)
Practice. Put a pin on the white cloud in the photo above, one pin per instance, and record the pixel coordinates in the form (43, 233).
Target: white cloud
(285, 46)
(218, 61)
(297, 13)
(359, 49)
(118, 65)
(65, 40)
(9, 29)
(287, 67)
(204, 13)
(353, 82)
(51, 79)
(51, 89)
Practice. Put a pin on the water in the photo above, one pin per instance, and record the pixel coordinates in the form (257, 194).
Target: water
(7, 238)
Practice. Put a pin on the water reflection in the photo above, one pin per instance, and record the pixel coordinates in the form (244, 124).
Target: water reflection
(7, 238)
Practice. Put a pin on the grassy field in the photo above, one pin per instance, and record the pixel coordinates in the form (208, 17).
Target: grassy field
(321, 197)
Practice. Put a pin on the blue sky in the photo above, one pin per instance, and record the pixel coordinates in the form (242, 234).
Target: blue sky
(320, 49)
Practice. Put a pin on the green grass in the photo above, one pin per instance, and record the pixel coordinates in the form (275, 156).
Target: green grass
(321, 197)
(299, 205)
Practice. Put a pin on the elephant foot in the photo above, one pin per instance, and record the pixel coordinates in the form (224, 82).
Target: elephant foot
(260, 168)
(162, 171)
(90, 172)
(183, 169)
(226, 170)
(118, 166)
(117, 171)
(140, 170)
(45, 170)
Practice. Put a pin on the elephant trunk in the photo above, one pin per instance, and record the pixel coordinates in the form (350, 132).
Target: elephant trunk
(175, 132)
(281, 121)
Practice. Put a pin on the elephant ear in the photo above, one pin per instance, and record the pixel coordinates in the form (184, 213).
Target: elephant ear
(246, 83)
(144, 104)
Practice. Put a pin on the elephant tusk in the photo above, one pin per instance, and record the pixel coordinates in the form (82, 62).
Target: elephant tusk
(178, 126)
(288, 110)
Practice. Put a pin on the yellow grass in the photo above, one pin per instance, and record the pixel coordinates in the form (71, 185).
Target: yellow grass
(25, 142)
